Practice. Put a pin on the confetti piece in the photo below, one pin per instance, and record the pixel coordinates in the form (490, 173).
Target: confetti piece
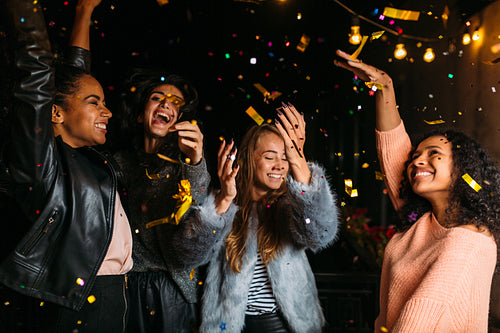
(348, 188)
(371, 85)
(472, 183)
(365, 165)
(194, 122)
(383, 329)
(376, 35)
(434, 122)
(187, 160)
(308, 220)
(80, 282)
(162, 2)
(401, 14)
(91, 299)
(191, 275)
(222, 326)
(360, 47)
(379, 175)
(42, 303)
(166, 158)
(254, 115)
(153, 176)
(413, 216)
(79, 322)
(304, 42)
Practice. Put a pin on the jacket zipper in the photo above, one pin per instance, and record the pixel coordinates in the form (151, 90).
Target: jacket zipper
(124, 318)
(34, 240)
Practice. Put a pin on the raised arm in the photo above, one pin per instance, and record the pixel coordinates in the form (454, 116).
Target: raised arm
(393, 143)
(293, 130)
(81, 26)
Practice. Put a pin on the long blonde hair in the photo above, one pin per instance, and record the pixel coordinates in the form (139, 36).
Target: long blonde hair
(269, 235)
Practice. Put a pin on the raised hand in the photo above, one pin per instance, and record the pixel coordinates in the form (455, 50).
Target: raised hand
(387, 114)
(226, 157)
(81, 26)
(190, 140)
(292, 127)
(364, 71)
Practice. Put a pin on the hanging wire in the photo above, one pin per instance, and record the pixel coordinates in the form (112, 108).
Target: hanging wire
(389, 30)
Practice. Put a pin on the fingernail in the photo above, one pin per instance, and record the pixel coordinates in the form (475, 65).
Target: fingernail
(290, 105)
(280, 113)
(284, 105)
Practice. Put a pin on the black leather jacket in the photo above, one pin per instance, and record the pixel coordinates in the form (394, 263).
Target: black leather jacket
(66, 194)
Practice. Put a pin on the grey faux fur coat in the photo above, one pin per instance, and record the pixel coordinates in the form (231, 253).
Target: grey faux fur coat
(310, 220)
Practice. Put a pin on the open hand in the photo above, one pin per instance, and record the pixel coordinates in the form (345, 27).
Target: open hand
(364, 71)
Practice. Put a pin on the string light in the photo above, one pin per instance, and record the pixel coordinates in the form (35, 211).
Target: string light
(400, 51)
(355, 36)
(466, 39)
(476, 35)
(429, 55)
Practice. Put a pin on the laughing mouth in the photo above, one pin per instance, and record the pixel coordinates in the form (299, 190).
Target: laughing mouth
(162, 116)
(422, 174)
(274, 176)
(100, 126)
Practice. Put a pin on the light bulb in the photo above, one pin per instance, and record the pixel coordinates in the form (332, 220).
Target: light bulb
(429, 55)
(466, 38)
(476, 35)
(355, 36)
(400, 51)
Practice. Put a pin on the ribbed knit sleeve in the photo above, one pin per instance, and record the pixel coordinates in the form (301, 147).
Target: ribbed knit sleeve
(393, 148)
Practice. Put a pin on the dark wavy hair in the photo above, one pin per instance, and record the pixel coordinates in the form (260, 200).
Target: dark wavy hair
(138, 89)
(466, 206)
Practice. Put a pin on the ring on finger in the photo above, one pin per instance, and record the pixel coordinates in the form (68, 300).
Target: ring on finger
(231, 157)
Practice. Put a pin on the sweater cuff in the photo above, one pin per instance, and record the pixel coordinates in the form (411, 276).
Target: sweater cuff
(422, 315)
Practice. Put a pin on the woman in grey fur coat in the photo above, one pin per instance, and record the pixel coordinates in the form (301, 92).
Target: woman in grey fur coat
(254, 233)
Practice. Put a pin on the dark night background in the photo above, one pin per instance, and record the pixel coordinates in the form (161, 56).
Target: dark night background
(211, 43)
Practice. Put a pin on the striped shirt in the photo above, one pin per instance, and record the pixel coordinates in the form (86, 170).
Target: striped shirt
(260, 295)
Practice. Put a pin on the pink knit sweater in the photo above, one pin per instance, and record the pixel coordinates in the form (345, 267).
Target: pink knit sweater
(434, 279)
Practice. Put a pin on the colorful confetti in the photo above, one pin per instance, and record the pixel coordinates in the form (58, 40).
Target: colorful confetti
(472, 183)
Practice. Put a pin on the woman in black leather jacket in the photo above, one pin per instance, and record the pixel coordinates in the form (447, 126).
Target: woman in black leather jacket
(78, 245)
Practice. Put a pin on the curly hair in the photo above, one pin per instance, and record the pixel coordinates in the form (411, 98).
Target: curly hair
(466, 206)
(138, 89)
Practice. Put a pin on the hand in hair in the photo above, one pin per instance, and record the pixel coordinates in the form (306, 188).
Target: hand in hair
(227, 176)
(293, 130)
(190, 140)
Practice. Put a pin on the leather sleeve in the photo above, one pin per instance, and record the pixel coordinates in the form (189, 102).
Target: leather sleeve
(78, 57)
(30, 156)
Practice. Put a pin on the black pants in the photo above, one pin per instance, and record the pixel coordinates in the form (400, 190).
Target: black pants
(108, 313)
(158, 306)
(265, 323)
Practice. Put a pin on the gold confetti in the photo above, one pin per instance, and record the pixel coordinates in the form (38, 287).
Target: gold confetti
(383, 329)
(401, 14)
(191, 275)
(79, 322)
(472, 183)
(379, 175)
(194, 122)
(304, 42)
(376, 35)
(378, 86)
(356, 53)
(434, 122)
(91, 299)
(365, 165)
(80, 282)
(348, 188)
(188, 160)
(254, 115)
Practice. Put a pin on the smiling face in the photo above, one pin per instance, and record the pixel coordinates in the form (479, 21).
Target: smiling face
(430, 171)
(160, 111)
(83, 119)
(271, 165)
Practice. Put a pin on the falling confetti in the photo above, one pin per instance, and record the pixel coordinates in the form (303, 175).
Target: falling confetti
(472, 183)
(91, 299)
(254, 115)
(434, 122)
(401, 14)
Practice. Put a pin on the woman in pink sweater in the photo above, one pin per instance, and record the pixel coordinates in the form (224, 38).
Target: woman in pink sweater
(437, 270)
